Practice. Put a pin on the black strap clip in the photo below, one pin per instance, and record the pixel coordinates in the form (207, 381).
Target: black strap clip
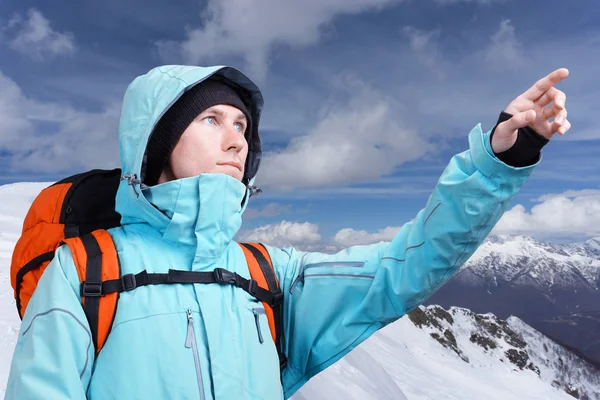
(128, 281)
(252, 285)
(224, 276)
(277, 299)
(91, 289)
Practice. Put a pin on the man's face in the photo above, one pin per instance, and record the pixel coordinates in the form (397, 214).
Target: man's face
(213, 143)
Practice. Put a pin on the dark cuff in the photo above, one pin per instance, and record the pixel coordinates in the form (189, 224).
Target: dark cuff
(527, 148)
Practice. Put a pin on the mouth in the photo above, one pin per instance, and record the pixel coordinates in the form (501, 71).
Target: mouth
(232, 164)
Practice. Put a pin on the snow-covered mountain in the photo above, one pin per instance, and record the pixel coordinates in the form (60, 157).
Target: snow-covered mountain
(553, 287)
(429, 354)
(525, 261)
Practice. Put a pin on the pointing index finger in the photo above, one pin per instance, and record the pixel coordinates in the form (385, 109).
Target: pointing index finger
(542, 86)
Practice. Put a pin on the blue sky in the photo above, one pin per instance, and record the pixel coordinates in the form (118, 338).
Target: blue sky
(365, 101)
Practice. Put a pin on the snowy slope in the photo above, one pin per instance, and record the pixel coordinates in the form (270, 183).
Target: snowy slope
(15, 200)
(474, 357)
(401, 361)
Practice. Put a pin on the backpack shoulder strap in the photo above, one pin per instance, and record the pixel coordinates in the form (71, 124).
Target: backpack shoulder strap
(96, 260)
(262, 271)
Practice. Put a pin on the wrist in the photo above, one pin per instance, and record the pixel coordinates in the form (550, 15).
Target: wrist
(526, 149)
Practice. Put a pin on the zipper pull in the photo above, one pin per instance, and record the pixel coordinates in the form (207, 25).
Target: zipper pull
(257, 320)
(190, 330)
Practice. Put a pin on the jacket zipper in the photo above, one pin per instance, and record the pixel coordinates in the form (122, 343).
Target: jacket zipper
(300, 277)
(257, 313)
(190, 342)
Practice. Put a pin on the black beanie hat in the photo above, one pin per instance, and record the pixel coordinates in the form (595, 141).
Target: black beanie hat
(179, 116)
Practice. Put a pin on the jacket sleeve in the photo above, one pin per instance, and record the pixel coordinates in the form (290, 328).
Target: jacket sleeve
(333, 302)
(54, 353)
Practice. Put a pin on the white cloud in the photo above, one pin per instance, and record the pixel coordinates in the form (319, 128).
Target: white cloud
(566, 214)
(424, 45)
(252, 29)
(76, 139)
(361, 140)
(420, 40)
(284, 234)
(570, 193)
(35, 36)
(505, 51)
(350, 237)
(474, 88)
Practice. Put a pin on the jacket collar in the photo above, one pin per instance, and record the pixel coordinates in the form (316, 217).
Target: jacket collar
(204, 212)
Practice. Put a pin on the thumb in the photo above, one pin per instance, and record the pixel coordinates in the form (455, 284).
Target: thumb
(517, 121)
(506, 132)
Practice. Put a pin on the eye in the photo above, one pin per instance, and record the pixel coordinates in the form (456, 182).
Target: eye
(239, 127)
(211, 120)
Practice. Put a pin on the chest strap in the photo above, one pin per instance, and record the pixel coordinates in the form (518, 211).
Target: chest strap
(218, 275)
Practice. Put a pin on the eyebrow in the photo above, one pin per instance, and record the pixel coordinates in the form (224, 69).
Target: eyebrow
(220, 113)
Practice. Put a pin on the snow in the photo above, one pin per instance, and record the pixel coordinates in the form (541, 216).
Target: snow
(401, 356)
(563, 365)
(15, 200)
(594, 243)
(401, 361)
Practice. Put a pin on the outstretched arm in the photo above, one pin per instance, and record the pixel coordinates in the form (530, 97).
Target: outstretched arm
(334, 302)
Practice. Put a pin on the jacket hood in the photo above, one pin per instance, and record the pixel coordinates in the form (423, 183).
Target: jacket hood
(146, 99)
(150, 95)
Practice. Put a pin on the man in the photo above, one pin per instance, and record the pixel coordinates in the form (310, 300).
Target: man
(190, 152)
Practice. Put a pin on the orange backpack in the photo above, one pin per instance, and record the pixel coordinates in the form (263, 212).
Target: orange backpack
(76, 211)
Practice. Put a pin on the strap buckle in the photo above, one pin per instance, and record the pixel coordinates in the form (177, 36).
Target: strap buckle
(224, 276)
(252, 285)
(128, 281)
(277, 299)
(91, 289)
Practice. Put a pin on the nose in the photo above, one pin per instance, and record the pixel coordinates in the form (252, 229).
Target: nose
(233, 140)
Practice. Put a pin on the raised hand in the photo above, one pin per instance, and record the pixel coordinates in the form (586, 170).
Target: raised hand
(534, 108)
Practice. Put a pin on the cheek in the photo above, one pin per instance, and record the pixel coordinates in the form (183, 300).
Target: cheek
(244, 155)
(189, 157)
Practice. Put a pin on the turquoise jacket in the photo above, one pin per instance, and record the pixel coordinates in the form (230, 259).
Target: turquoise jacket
(202, 341)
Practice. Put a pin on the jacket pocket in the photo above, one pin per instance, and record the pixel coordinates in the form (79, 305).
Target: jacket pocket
(327, 269)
